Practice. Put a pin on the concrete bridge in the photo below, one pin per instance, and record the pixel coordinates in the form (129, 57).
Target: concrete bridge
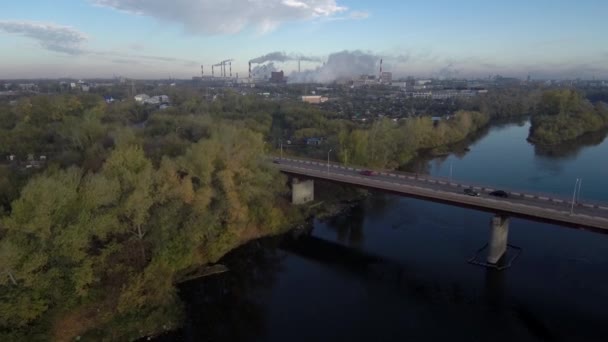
(532, 206)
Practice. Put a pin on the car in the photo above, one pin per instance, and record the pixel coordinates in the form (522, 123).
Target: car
(499, 193)
(471, 192)
(276, 161)
(367, 173)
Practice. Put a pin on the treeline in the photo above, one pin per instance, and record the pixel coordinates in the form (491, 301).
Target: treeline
(389, 145)
(564, 115)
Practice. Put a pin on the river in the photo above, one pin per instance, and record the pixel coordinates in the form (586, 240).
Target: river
(395, 269)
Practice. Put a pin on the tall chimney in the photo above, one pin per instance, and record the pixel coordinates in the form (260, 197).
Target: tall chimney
(213, 71)
(202, 71)
(230, 69)
(299, 67)
(250, 71)
(380, 76)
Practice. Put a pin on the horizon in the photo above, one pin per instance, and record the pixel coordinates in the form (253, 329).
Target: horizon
(88, 39)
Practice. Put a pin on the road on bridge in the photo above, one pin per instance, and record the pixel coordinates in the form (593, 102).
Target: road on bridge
(547, 208)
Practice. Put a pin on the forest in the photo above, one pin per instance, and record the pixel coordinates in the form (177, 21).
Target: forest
(129, 200)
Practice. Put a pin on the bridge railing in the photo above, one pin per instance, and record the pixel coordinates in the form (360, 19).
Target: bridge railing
(487, 188)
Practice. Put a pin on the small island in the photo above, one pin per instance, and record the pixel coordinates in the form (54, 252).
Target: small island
(564, 115)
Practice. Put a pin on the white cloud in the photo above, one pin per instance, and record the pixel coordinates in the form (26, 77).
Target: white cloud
(227, 16)
(50, 36)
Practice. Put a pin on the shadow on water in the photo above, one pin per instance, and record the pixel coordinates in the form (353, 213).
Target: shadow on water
(385, 275)
(377, 272)
(224, 307)
(499, 303)
(571, 149)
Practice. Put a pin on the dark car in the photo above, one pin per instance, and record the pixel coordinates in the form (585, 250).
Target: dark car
(367, 173)
(471, 192)
(499, 193)
(276, 161)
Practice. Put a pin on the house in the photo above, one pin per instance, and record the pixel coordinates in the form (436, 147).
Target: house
(141, 98)
(314, 99)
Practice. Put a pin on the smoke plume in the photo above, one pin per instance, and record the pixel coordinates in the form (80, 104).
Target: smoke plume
(340, 65)
(263, 70)
(283, 57)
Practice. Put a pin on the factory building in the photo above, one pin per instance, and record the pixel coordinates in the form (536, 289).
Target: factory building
(277, 77)
(386, 77)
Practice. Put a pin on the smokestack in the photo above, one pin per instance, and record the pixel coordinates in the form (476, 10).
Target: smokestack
(380, 76)
(213, 71)
(250, 71)
(230, 69)
(299, 67)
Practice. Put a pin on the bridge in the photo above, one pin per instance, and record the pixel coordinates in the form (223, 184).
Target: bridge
(532, 206)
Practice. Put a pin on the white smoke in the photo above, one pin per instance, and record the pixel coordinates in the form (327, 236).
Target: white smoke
(340, 65)
(263, 70)
(283, 57)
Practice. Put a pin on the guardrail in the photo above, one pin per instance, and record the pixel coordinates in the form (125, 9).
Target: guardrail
(554, 198)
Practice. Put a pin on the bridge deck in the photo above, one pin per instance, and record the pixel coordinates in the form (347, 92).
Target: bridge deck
(547, 208)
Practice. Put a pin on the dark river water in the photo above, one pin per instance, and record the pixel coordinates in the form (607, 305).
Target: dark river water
(395, 269)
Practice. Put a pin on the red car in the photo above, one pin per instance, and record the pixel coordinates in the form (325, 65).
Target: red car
(367, 173)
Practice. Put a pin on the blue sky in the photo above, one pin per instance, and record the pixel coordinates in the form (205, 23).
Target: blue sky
(159, 38)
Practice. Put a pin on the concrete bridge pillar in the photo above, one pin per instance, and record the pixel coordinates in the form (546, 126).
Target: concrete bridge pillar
(498, 238)
(302, 191)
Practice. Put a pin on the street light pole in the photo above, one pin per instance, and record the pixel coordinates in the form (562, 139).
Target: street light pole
(578, 195)
(328, 152)
(281, 149)
(574, 196)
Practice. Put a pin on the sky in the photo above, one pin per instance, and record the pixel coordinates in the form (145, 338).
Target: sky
(434, 38)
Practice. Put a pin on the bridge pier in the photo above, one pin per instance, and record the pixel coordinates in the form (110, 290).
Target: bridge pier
(498, 238)
(302, 191)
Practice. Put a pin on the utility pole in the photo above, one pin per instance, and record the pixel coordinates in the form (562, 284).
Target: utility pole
(450, 171)
(578, 195)
(328, 152)
(574, 196)
(281, 148)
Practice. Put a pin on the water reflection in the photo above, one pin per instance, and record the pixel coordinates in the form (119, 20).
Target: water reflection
(349, 227)
(570, 150)
(225, 307)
